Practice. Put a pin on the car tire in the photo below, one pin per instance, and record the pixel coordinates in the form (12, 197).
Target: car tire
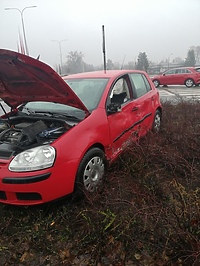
(89, 178)
(189, 83)
(157, 122)
(156, 83)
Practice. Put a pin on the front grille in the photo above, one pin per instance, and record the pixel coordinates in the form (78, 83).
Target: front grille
(3, 195)
(28, 196)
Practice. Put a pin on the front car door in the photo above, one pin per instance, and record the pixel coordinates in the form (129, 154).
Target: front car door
(169, 77)
(122, 122)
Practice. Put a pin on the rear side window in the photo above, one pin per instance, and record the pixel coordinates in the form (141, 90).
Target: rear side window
(182, 71)
(140, 83)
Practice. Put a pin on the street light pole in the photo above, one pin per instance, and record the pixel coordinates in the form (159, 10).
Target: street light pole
(60, 52)
(22, 19)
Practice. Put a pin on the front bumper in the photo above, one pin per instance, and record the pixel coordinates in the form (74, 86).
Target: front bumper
(31, 188)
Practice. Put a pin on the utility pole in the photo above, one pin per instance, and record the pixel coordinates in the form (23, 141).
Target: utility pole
(60, 53)
(22, 20)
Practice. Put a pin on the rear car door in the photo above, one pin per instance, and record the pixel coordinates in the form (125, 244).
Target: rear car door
(182, 75)
(144, 102)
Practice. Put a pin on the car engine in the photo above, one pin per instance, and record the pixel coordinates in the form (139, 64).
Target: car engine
(18, 134)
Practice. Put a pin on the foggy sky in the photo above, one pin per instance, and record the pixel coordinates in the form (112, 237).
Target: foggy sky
(161, 28)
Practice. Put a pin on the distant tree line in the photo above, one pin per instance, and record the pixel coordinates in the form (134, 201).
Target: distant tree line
(75, 62)
(190, 59)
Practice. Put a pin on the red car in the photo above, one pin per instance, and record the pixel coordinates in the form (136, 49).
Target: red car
(61, 133)
(188, 76)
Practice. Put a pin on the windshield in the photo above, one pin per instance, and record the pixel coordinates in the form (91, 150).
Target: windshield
(89, 90)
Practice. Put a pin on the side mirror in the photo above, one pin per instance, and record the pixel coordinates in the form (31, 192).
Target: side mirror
(114, 108)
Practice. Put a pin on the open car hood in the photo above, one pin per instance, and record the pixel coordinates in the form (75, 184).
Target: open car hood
(24, 79)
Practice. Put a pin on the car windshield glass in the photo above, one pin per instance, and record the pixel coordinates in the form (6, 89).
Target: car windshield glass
(52, 109)
(89, 90)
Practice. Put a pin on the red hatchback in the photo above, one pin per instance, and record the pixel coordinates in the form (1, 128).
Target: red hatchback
(188, 76)
(61, 133)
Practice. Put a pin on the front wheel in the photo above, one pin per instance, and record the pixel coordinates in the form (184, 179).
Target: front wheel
(157, 122)
(189, 83)
(156, 83)
(90, 172)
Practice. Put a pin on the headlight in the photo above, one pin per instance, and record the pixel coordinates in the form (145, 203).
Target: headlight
(33, 159)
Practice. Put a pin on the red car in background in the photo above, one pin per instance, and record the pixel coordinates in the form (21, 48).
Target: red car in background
(188, 76)
(61, 133)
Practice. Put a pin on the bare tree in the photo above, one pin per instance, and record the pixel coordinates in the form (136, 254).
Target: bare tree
(75, 62)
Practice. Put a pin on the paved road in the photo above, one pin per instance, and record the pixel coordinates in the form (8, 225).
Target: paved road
(179, 93)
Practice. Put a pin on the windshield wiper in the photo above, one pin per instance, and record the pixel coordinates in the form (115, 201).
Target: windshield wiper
(67, 116)
(27, 111)
(50, 114)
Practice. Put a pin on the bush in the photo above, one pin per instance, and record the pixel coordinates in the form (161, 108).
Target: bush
(148, 213)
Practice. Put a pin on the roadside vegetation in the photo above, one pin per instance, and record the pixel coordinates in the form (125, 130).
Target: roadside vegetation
(148, 213)
(75, 63)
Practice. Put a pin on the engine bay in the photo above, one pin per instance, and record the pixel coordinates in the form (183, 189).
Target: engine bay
(18, 133)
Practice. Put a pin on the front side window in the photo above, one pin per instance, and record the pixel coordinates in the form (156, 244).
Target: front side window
(170, 72)
(120, 92)
(140, 83)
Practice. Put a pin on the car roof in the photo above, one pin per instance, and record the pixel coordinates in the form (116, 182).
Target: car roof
(183, 68)
(102, 74)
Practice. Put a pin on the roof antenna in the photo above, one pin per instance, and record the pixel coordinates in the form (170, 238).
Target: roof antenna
(104, 49)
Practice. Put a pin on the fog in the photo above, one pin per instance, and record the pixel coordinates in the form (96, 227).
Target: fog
(161, 28)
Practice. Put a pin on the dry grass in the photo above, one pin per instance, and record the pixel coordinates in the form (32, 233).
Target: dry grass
(148, 213)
